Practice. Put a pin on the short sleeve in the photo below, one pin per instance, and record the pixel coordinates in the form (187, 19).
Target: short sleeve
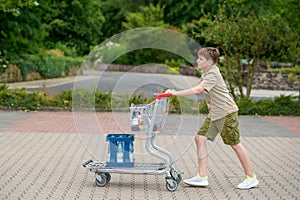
(208, 81)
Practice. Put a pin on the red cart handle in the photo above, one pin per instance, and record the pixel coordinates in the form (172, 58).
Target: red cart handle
(163, 95)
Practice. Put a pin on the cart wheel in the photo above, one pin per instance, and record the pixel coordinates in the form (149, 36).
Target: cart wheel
(171, 185)
(108, 176)
(176, 176)
(101, 179)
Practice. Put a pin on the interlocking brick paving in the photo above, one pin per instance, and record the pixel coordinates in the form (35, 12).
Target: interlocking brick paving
(40, 159)
(290, 123)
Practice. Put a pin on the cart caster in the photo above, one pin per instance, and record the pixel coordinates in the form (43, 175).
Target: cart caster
(171, 184)
(102, 179)
(108, 176)
(176, 176)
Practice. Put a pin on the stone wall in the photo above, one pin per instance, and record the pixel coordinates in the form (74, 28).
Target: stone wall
(147, 68)
(275, 81)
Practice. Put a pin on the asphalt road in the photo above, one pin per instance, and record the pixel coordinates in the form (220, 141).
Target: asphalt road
(127, 82)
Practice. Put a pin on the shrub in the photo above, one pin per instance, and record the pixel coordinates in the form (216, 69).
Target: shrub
(62, 100)
(21, 99)
(286, 105)
(265, 106)
(48, 65)
(103, 100)
(281, 105)
(247, 107)
(11, 74)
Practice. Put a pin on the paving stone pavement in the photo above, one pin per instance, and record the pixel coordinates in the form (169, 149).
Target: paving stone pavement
(42, 155)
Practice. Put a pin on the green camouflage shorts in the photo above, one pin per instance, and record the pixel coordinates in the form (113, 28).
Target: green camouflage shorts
(227, 126)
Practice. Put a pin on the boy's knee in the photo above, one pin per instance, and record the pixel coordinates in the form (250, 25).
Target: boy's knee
(237, 147)
(199, 139)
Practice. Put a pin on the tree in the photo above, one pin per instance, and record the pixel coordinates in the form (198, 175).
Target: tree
(15, 7)
(148, 16)
(178, 13)
(115, 12)
(241, 34)
(22, 32)
(74, 23)
(288, 10)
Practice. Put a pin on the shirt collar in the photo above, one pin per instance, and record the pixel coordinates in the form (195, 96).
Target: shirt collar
(208, 69)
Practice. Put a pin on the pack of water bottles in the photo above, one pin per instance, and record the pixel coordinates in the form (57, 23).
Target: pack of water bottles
(120, 150)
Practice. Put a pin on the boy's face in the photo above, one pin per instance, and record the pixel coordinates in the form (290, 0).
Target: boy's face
(203, 63)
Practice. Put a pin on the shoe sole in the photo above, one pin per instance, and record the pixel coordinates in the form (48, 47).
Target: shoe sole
(195, 184)
(251, 186)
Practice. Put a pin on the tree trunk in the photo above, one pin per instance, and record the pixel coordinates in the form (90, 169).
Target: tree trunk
(238, 78)
(250, 76)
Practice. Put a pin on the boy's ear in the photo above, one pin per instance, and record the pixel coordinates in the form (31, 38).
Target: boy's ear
(211, 62)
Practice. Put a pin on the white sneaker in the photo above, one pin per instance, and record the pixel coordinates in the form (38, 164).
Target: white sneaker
(248, 183)
(197, 181)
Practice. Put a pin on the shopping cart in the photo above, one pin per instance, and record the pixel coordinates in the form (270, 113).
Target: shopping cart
(150, 119)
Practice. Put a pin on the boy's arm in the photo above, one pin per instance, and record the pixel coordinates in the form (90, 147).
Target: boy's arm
(188, 92)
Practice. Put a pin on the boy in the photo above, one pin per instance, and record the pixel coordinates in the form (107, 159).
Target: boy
(222, 118)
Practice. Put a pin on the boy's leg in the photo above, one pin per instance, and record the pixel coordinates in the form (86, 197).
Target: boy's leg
(200, 139)
(200, 179)
(231, 136)
(202, 154)
(250, 181)
(242, 154)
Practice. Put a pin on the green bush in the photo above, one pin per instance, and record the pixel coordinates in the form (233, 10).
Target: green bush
(247, 107)
(281, 105)
(62, 100)
(103, 100)
(203, 109)
(21, 99)
(47, 65)
(286, 105)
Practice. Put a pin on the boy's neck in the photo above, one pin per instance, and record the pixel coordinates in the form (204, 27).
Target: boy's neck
(207, 69)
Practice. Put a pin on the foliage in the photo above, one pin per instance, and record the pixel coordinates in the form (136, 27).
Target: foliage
(22, 33)
(62, 100)
(281, 105)
(47, 65)
(148, 16)
(184, 105)
(254, 36)
(4, 63)
(178, 13)
(75, 23)
(71, 25)
(21, 99)
(103, 100)
(15, 7)
(109, 52)
(115, 12)
(74, 27)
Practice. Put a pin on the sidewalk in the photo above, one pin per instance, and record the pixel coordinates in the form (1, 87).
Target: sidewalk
(42, 156)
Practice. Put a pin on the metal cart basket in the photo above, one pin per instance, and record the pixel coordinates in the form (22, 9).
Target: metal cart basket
(150, 119)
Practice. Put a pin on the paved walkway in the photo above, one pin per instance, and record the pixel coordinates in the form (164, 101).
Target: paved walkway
(42, 155)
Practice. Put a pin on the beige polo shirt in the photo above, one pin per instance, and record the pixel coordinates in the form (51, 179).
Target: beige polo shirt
(218, 99)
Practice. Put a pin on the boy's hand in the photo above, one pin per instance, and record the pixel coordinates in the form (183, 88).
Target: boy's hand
(173, 92)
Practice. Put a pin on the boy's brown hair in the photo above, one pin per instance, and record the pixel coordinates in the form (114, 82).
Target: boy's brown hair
(210, 53)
